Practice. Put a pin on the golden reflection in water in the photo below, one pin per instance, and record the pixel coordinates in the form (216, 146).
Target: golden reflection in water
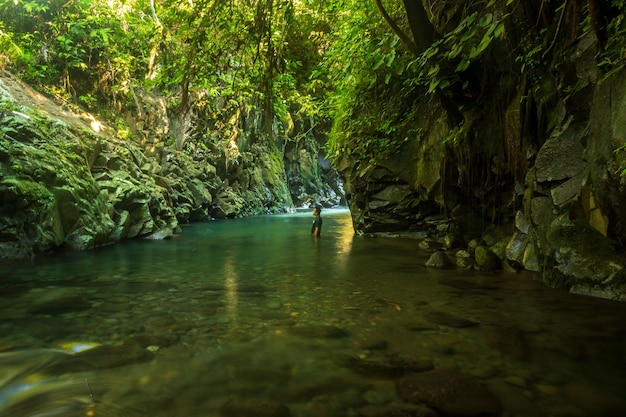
(346, 234)
(230, 289)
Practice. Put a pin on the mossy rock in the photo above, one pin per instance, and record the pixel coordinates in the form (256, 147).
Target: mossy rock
(487, 259)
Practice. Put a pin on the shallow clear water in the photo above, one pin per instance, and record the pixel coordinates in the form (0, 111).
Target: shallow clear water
(255, 313)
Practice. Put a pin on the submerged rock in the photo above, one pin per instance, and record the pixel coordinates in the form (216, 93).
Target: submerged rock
(377, 369)
(243, 407)
(448, 392)
(319, 331)
(506, 340)
(595, 401)
(448, 319)
(105, 357)
(397, 410)
(391, 367)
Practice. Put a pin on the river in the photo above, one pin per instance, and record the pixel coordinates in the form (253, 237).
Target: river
(255, 317)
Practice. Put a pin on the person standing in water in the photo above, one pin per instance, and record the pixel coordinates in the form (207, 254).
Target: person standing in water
(316, 228)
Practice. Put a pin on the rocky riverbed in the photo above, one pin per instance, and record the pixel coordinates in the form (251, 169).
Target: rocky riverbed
(237, 326)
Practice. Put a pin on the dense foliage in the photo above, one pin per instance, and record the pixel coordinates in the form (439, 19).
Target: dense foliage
(250, 54)
(357, 63)
(459, 67)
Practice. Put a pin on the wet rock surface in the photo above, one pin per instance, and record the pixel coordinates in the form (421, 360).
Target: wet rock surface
(85, 187)
(439, 259)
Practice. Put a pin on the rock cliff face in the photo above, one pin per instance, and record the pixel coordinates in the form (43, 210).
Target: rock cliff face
(67, 180)
(537, 180)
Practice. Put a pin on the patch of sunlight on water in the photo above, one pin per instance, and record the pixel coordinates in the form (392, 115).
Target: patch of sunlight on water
(255, 314)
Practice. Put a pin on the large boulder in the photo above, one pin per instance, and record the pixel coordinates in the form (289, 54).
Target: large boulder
(576, 266)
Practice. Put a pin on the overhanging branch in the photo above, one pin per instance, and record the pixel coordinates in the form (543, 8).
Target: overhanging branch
(406, 41)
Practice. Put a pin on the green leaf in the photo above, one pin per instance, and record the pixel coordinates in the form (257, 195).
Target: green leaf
(462, 66)
(455, 51)
(434, 70)
(390, 57)
(498, 31)
(379, 62)
(486, 20)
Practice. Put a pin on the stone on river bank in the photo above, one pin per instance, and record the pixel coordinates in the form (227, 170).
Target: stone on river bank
(487, 259)
(439, 259)
(561, 156)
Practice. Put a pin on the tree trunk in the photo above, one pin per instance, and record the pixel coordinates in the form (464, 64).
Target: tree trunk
(421, 28)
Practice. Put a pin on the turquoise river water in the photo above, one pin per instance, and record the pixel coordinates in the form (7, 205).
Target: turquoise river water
(255, 317)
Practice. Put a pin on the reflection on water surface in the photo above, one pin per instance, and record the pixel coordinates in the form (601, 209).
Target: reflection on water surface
(256, 317)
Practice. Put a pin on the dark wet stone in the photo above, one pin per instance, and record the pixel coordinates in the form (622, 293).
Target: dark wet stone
(254, 408)
(506, 340)
(160, 234)
(392, 367)
(560, 157)
(473, 244)
(595, 401)
(376, 369)
(411, 364)
(105, 357)
(439, 260)
(452, 240)
(443, 349)
(326, 332)
(448, 392)
(345, 361)
(152, 340)
(465, 262)
(447, 319)
(487, 259)
(417, 326)
(47, 331)
(397, 410)
(323, 387)
(130, 287)
(61, 305)
(373, 344)
(515, 401)
(430, 245)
